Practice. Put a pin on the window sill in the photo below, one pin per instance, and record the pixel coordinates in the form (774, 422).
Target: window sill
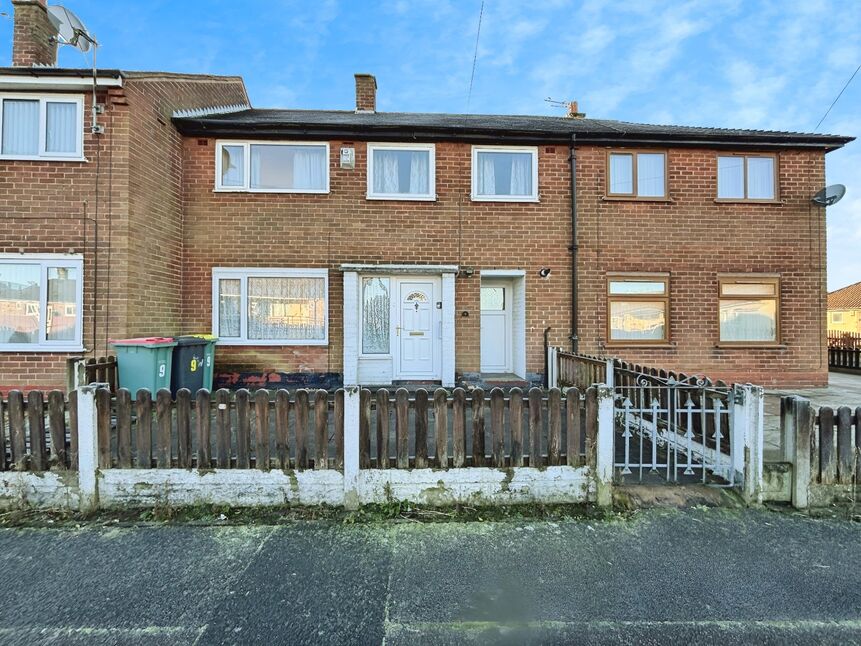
(284, 191)
(276, 343)
(402, 198)
(719, 200)
(658, 345)
(750, 346)
(506, 198)
(42, 159)
(623, 198)
(26, 347)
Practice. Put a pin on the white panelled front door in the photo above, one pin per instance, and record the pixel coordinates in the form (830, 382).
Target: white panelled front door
(417, 334)
(496, 330)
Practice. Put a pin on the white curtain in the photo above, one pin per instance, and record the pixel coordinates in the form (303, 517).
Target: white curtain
(229, 307)
(386, 172)
(760, 178)
(637, 320)
(731, 177)
(20, 127)
(521, 174)
(19, 303)
(286, 308)
(232, 165)
(419, 172)
(753, 320)
(62, 304)
(650, 175)
(621, 174)
(486, 174)
(309, 168)
(61, 130)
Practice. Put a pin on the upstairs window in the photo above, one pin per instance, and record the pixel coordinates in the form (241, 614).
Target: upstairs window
(637, 174)
(41, 127)
(397, 172)
(747, 177)
(749, 309)
(269, 167)
(638, 308)
(40, 303)
(270, 306)
(505, 174)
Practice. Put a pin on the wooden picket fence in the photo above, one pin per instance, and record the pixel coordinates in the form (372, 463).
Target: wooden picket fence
(226, 430)
(836, 445)
(305, 429)
(580, 370)
(102, 370)
(844, 340)
(841, 358)
(37, 431)
(535, 429)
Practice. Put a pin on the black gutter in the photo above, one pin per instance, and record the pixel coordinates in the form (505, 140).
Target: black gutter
(572, 158)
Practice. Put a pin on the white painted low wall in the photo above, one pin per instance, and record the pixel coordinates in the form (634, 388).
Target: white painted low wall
(47, 490)
(479, 486)
(234, 487)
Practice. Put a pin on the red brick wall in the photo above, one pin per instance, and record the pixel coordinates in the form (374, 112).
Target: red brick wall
(292, 230)
(54, 207)
(32, 33)
(694, 239)
(689, 236)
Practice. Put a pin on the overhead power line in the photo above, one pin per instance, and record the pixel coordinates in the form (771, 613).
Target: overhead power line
(837, 99)
(475, 55)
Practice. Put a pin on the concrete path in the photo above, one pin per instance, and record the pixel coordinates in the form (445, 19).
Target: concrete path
(704, 576)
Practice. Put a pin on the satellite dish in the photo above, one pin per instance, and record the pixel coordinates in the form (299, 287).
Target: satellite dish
(829, 195)
(70, 29)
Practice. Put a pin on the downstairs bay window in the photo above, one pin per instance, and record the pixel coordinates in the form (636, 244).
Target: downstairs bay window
(40, 303)
(749, 310)
(638, 309)
(270, 306)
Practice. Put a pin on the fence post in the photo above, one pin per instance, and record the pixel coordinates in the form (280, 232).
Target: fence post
(753, 442)
(88, 447)
(351, 446)
(604, 447)
(788, 421)
(803, 423)
(610, 379)
(738, 433)
(552, 367)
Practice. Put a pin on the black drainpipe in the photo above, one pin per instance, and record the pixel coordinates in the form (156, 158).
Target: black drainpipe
(574, 246)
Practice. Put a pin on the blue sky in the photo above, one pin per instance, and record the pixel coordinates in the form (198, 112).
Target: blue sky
(769, 64)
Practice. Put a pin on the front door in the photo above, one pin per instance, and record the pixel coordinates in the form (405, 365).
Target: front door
(496, 346)
(416, 333)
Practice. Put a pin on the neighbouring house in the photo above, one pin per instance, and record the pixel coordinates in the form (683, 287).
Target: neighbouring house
(375, 247)
(844, 309)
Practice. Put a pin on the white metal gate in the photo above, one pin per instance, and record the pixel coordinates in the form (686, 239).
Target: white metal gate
(674, 430)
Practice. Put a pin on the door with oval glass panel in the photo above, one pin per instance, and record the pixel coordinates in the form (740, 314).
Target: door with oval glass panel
(496, 327)
(417, 335)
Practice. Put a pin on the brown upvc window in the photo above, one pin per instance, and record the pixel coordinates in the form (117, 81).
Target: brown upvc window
(638, 308)
(747, 178)
(637, 174)
(749, 310)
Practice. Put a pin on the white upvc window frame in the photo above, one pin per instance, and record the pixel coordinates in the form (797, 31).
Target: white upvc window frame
(246, 166)
(74, 261)
(243, 274)
(474, 195)
(430, 196)
(43, 99)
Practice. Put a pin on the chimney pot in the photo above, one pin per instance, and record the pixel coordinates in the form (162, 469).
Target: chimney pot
(33, 35)
(366, 93)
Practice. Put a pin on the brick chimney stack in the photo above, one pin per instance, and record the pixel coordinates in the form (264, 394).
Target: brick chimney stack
(33, 34)
(366, 93)
(574, 111)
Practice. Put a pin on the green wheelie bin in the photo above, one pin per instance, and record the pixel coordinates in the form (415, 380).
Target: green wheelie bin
(144, 363)
(208, 359)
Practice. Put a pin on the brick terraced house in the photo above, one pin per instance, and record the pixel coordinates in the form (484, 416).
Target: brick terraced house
(376, 248)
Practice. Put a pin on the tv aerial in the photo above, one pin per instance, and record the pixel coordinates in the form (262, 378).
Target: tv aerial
(72, 31)
(829, 195)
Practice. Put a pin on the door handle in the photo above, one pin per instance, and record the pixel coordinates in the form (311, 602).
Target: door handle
(397, 330)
